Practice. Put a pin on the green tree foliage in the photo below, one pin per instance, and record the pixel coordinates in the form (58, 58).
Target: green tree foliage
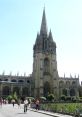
(63, 97)
(50, 97)
(12, 96)
(15, 96)
(9, 98)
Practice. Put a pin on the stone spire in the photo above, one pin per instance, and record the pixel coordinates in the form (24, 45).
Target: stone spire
(50, 35)
(43, 30)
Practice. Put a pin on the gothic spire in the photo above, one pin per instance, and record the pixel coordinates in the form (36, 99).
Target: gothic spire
(50, 35)
(43, 29)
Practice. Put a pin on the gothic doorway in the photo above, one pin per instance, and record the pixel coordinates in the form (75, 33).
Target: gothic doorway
(46, 89)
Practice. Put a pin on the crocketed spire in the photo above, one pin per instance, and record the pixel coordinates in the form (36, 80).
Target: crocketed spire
(43, 30)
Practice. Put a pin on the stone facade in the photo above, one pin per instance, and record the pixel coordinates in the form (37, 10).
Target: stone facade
(20, 84)
(45, 78)
(45, 73)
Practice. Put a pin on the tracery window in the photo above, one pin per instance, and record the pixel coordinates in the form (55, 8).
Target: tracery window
(46, 65)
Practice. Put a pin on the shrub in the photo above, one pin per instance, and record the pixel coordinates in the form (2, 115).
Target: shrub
(63, 97)
(50, 97)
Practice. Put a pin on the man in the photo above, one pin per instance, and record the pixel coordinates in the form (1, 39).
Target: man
(13, 102)
(25, 105)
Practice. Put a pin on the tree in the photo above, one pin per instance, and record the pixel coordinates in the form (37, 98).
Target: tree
(9, 98)
(50, 97)
(15, 96)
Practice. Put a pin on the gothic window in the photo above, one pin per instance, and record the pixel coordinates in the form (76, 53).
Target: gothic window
(45, 44)
(16, 89)
(25, 91)
(72, 92)
(46, 65)
(61, 84)
(21, 81)
(65, 92)
(13, 80)
(73, 84)
(5, 90)
(6, 80)
(67, 83)
(28, 81)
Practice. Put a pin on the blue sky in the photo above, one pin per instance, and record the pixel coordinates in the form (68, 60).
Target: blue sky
(20, 20)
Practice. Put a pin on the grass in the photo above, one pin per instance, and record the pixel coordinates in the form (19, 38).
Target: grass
(69, 108)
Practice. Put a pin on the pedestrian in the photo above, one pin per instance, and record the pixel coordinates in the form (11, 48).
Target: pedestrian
(13, 102)
(19, 103)
(37, 104)
(25, 105)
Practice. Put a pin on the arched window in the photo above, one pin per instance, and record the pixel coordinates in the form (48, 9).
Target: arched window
(72, 92)
(61, 84)
(64, 92)
(21, 81)
(6, 80)
(13, 80)
(67, 83)
(16, 89)
(25, 91)
(73, 83)
(28, 81)
(5, 91)
(46, 65)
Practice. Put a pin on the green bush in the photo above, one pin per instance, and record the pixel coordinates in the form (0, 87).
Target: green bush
(63, 97)
(50, 97)
(9, 98)
(68, 108)
(12, 96)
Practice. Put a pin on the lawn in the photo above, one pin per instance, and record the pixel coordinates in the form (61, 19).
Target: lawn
(68, 108)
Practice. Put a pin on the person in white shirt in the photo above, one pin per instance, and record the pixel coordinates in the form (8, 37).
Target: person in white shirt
(25, 105)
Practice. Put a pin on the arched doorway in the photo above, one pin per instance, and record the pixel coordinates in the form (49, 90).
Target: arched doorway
(46, 89)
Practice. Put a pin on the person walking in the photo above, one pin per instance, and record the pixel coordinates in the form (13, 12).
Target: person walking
(25, 105)
(19, 103)
(13, 102)
(37, 104)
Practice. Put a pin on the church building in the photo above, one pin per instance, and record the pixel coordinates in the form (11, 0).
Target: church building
(44, 79)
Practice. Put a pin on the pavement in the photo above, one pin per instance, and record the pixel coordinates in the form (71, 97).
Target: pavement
(8, 111)
(50, 113)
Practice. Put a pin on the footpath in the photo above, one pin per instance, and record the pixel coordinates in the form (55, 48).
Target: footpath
(12, 112)
(50, 113)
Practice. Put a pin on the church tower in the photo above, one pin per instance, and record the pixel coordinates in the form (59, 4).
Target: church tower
(45, 72)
